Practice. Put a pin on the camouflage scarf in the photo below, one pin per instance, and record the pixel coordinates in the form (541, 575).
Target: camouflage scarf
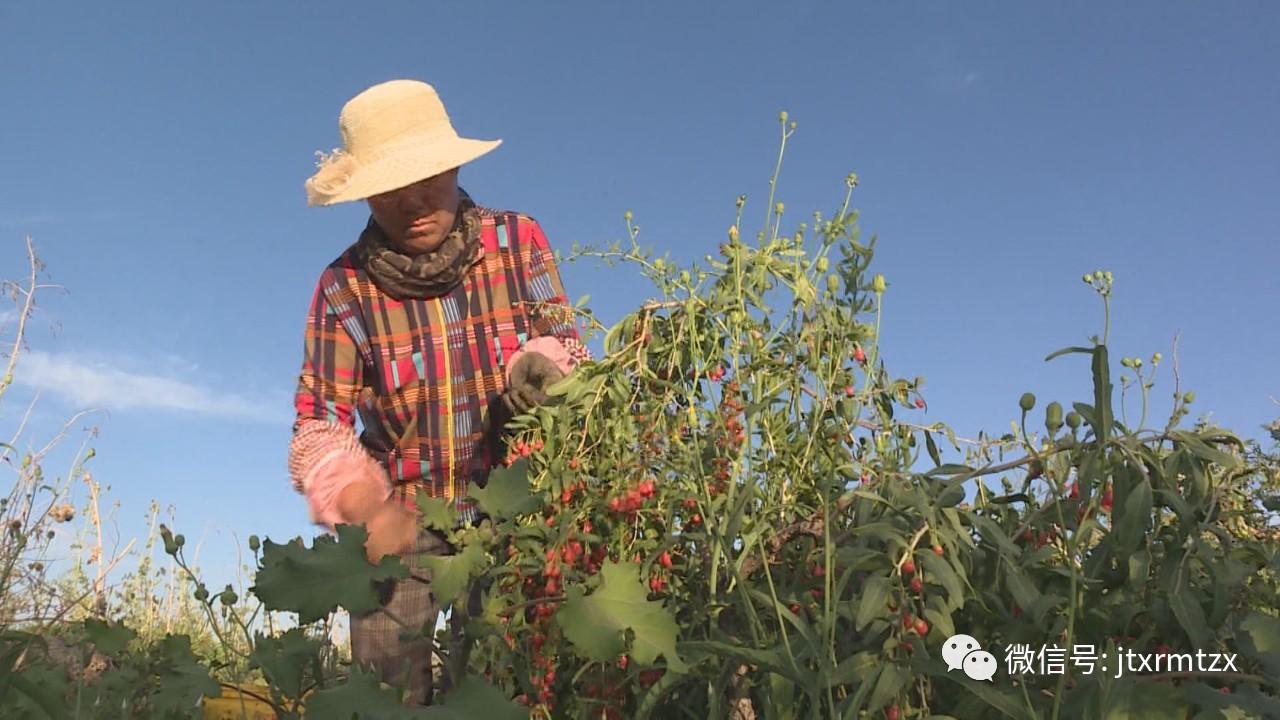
(430, 274)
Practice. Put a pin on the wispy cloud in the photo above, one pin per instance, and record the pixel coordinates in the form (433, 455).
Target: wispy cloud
(27, 220)
(969, 80)
(87, 383)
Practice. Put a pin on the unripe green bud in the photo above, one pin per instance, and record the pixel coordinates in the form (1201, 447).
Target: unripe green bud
(778, 208)
(733, 233)
(877, 283)
(1027, 401)
(1053, 417)
(254, 543)
(1189, 397)
(852, 180)
(179, 540)
(1155, 359)
(684, 277)
(782, 116)
(228, 597)
(170, 546)
(1074, 420)
(202, 593)
(742, 200)
(658, 264)
(1088, 278)
(823, 264)
(627, 216)
(833, 284)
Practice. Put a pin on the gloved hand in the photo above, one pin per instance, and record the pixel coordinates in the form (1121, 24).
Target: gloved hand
(392, 528)
(530, 376)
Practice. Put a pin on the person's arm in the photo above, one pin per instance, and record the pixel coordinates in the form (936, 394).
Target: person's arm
(340, 479)
(552, 331)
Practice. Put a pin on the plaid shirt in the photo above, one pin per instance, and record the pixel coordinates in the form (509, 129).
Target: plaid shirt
(424, 375)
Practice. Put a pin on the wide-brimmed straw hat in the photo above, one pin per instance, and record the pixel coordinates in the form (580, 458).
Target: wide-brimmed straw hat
(393, 134)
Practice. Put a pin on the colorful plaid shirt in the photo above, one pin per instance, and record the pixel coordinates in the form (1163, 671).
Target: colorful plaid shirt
(424, 375)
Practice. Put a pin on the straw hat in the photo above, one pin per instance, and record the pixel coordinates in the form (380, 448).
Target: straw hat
(393, 134)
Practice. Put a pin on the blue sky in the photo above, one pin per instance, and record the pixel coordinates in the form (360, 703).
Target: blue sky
(156, 154)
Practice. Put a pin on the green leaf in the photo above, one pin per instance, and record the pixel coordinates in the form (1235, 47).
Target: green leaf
(506, 494)
(437, 513)
(1263, 644)
(1204, 450)
(1102, 393)
(872, 604)
(108, 638)
(1146, 701)
(939, 571)
(932, 447)
(475, 698)
(285, 659)
(361, 698)
(1133, 521)
(1005, 702)
(1024, 593)
(1186, 608)
(939, 617)
(1067, 351)
(38, 692)
(949, 469)
(893, 678)
(992, 533)
(952, 495)
(595, 624)
(854, 670)
(183, 681)
(773, 659)
(314, 582)
(450, 574)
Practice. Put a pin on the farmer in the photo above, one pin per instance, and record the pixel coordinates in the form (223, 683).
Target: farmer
(441, 322)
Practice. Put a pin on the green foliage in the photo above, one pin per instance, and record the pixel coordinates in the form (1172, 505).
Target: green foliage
(597, 623)
(333, 572)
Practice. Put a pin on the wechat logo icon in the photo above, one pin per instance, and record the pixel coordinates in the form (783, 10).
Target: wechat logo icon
(962, 652)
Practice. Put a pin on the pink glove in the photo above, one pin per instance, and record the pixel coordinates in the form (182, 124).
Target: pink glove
(324, 458)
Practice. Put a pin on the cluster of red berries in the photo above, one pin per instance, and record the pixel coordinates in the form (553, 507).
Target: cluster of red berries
(522, 449)
(1040, 539)
(634, 497)
(690, 503)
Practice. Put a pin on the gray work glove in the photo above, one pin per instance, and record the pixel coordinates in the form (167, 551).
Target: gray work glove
(530, 377)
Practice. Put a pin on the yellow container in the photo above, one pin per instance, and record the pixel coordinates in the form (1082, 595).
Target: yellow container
(240, 702)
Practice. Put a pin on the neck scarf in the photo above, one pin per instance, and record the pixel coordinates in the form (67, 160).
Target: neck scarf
(404, 276)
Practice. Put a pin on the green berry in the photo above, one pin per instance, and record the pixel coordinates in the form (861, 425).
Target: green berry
(1027, 401)
(1074, 420)
(1053, 417)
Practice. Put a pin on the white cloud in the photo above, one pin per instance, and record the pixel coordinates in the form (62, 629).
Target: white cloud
(89, 384)
(25, 220)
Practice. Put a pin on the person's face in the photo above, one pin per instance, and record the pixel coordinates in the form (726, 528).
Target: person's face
(417, 217)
